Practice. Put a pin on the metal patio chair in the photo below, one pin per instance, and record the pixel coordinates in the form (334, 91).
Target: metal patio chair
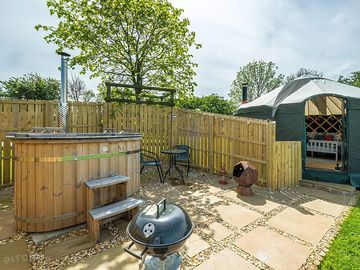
(151, 159)
(183, 159)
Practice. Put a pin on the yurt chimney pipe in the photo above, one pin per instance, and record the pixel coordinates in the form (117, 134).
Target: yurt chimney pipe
(244, 93)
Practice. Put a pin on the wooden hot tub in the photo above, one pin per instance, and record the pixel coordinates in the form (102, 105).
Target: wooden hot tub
(51, 169)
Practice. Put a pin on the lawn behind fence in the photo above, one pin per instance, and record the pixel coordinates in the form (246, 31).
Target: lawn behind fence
(344, 252)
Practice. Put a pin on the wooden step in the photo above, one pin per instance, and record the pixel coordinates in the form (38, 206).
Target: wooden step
(114, 209)
(106, 182)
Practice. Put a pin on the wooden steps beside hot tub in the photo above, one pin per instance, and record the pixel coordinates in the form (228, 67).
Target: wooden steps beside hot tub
(111, 210)
(108, 181)
(101, 215)
(103, 212)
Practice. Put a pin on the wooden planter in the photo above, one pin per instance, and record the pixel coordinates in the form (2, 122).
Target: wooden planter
(51, 169)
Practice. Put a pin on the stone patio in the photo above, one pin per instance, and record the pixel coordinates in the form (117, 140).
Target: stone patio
(274, 249)
(289, 229)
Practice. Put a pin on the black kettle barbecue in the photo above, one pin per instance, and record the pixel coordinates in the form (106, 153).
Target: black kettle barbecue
(159, 230)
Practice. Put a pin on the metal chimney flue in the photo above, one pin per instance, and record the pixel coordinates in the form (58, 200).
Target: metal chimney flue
(63, 108)
(244, 93)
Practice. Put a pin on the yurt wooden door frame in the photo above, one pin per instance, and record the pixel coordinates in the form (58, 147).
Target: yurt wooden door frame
(325, 132)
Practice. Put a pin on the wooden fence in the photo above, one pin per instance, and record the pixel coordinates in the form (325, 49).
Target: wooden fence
(154, 122)
(18, 116)
(216, 140)
(221, 141)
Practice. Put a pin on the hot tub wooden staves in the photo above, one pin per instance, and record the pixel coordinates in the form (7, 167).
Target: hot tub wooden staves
(51, 169)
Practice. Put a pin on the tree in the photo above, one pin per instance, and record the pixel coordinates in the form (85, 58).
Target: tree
(140, 42)
(261, 78)
(2, 92)
(212, 103)
(304, 72)
(31, 86)
(88, 96)
(77, 90)
(353, 80)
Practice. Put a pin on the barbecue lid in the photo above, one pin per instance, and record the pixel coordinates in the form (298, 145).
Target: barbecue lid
(160, 225)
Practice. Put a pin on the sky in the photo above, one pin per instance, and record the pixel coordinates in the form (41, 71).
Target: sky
(323, 35)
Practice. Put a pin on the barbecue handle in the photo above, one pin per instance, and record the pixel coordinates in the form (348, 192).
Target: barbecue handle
(163, 201)
(140, 257)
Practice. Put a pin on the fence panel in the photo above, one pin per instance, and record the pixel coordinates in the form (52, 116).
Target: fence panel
(287, 168)
(284, 161)
(154, 122)
(221, 141)
(240, 139)
(193, 129)
(21, 116)
(85, 117)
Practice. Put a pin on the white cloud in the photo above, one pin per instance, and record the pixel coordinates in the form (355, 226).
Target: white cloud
(339, 19)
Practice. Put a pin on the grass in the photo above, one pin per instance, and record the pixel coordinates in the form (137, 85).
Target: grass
(344, 252)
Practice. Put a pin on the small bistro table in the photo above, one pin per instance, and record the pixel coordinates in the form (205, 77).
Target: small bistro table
(172, 162)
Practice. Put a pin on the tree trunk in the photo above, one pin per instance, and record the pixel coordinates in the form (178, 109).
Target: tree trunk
(138, 85)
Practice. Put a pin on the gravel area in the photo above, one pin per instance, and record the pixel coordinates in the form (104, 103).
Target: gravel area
(198, 183)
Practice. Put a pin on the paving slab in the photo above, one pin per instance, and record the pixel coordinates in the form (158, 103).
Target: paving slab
(7, 224)
(256, 201)
(45, 236)
(14, 256)
(236, 215)
(114, 258)
(226, 259)
(194, 245)
(325, 207)
(275, 250)
(337, 198)
(5, 200)
(206, 202)
(302, 223)
(217, 231)
(73, 245)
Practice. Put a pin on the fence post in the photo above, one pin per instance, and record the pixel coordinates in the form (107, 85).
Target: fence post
(271, 175)
(298, 163)
(211, 144)
(174, 118)
(6, 149)
(2, 156)
(106, 116)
